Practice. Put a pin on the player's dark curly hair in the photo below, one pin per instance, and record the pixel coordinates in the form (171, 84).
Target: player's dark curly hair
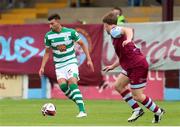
(54, 16)
(110, 18)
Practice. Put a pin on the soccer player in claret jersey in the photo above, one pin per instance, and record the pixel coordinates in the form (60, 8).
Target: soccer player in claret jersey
(135, 70)
(61, 40)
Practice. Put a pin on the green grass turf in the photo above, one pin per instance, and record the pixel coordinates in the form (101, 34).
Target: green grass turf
(100, 113)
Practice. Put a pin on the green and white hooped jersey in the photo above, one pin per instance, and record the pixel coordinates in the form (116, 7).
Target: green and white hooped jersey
(62, 44)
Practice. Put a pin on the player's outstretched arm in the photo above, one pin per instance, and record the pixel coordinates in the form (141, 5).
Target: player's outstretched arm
(44, 61)
(86, 51)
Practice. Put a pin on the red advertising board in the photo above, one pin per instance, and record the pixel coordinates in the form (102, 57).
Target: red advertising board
(22, 48)
(154, 88)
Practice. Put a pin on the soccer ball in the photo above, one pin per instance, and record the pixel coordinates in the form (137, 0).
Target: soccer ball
(48, 109)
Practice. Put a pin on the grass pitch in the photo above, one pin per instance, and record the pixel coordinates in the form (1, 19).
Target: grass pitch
(100, 113)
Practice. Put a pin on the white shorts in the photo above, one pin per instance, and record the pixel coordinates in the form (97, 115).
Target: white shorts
(68, 72)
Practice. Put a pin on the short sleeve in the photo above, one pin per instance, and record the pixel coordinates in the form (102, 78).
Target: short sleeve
(116, 32)
(47, 42)
(75, 36)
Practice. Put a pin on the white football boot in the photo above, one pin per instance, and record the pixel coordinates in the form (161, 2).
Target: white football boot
(81, 114)
(135, 115)
(157, 117)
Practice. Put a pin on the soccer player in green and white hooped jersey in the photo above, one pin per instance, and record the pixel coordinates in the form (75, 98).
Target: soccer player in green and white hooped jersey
(61, 40)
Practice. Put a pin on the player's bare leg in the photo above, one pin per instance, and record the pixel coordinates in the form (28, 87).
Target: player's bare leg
(121, 85)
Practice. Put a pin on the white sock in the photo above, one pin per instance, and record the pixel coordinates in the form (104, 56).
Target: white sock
(137, 109)
(158, 112)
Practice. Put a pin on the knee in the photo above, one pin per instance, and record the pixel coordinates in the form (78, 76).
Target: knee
(118, 88)
(135, 97)
(72, 81)
(138, 97)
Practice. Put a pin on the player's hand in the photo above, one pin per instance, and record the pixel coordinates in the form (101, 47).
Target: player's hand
(90, 64)
(108, 68)
(125, 42)
(41, 71)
